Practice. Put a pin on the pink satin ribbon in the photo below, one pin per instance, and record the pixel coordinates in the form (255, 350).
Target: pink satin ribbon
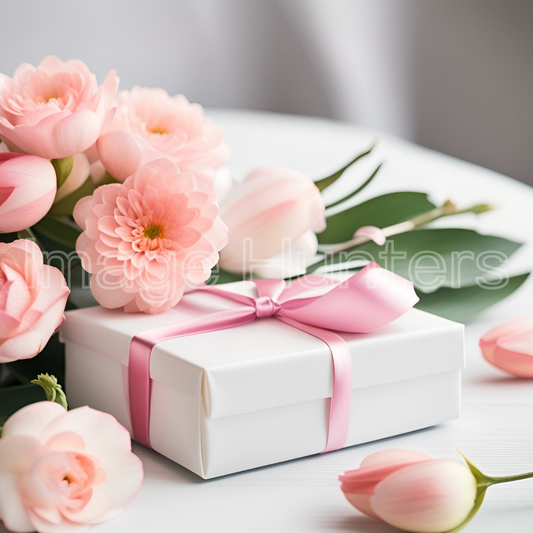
(362, 303)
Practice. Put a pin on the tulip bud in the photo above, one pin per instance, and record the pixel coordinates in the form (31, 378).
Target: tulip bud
(509, 347)
(272, 218)
(27, 190)
(412, 491)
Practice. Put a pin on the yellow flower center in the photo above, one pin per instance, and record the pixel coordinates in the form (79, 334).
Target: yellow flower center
(153, 232)
(157, 129)
(52, 97)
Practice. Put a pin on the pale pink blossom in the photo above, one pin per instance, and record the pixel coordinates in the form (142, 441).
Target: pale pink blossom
(54, 110)
(32, 300)
(64, 471)
(150, 124)
(147, 239)
(272, 217)
(27, 190)
(412, 491)
(509, 346)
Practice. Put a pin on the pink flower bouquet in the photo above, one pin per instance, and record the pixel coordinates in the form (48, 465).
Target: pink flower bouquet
(124, 199)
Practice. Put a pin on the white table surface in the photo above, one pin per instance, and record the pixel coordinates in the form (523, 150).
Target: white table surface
(496, 427)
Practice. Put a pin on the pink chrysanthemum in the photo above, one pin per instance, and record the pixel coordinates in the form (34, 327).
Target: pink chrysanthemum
(148, 238)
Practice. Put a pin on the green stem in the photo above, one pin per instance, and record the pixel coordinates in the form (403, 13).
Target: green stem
(447, 209)
(483, 483)
(508, 479)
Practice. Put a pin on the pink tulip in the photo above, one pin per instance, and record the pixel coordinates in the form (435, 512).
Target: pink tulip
(150, 124)
(272, 218)
(32, 300)
(412, 491)
(509, 346)
(27, 190)
(64, 471)
(54, 110)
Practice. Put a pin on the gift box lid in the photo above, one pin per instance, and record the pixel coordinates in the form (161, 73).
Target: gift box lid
(267, 363)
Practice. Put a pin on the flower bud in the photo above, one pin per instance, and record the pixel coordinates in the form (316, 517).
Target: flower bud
(412, 491)
(272, 218)
(52, 389)
(509, 347)
(27, 190)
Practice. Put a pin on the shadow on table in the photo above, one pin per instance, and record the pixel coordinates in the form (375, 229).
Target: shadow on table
(505, 380)
(360, 524)
(159, 469)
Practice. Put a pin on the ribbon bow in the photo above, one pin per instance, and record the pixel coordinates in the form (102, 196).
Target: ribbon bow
(317, 305)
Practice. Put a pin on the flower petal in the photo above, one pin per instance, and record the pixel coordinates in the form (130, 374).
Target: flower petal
(373, 233)
(32, 420)
(426, 497)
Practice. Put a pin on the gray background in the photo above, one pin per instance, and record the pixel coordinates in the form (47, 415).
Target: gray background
(455, 75)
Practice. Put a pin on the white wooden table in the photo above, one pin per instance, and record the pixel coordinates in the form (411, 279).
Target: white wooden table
(496, 428)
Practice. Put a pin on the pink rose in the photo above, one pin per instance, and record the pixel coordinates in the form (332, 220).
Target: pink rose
(148, 238)
(412, 491)
(272, 218)
(509, 346)
(32, 300)
(27, 190)
(64, 471)
(54, 110)
(150, 124)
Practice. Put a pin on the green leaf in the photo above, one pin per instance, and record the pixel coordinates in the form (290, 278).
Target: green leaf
(58, 230)
(63, 168)
(435, 258)
(14, 398)
(359, 189)
(481, 478)
(219, 276)
(381, 211)
(323, 183)
(463, 304)
(51, 360)
(67, 204)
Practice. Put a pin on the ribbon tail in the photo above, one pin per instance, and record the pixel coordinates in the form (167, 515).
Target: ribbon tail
(341, 395)
(139, 381)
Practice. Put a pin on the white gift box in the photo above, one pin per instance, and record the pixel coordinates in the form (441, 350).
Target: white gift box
(259, 394)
